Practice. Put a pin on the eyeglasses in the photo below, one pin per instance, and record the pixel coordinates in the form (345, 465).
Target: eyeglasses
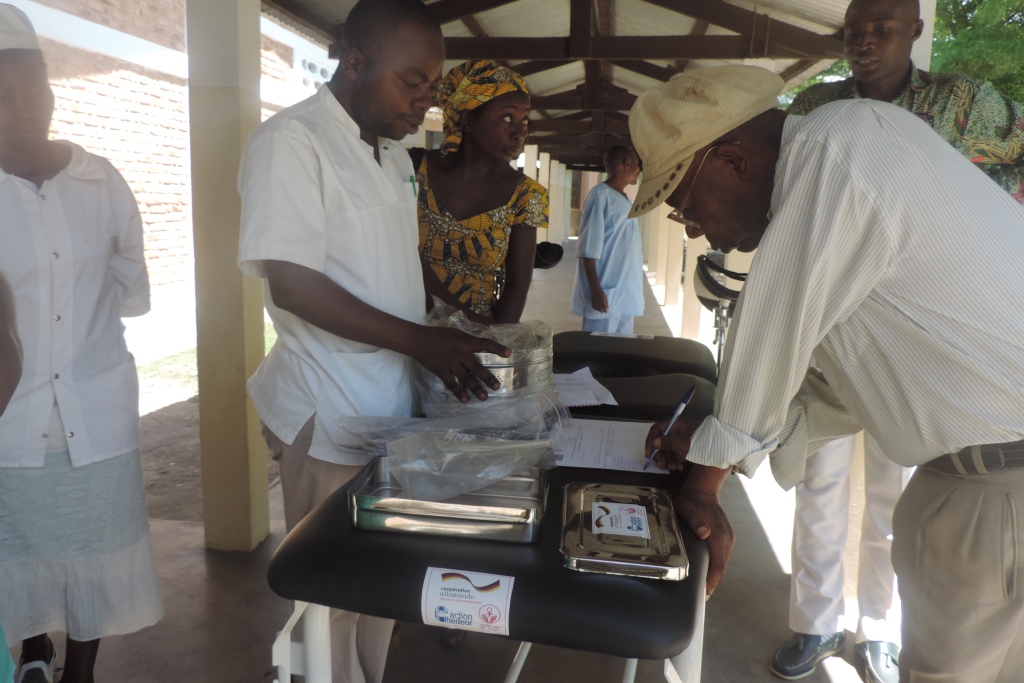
(677, 214)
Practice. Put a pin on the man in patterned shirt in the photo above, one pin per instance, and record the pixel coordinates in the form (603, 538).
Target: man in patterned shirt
(988, 129)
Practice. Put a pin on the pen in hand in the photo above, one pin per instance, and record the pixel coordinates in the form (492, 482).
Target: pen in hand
(675, 416)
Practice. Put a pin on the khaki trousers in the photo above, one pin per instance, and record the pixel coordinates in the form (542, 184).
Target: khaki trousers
(957, 549)
(359, 644)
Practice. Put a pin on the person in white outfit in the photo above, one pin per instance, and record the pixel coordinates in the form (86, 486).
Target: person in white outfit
(329, 221)
(75, 549)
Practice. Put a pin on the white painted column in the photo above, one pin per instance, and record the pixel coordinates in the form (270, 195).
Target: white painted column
(530, 165)
(566, 204)
(660, 248)
(558, 215)
(921, 53)
(544, 172)
(544, 178)
(690, 328)
(224, 107)
(674, 266)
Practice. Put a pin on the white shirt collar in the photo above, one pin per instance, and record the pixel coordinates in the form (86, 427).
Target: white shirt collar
(331, 104)
(83, 166)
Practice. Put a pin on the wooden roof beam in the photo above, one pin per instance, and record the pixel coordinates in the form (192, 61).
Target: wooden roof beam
(700, 28)
(539, 65)
(446, 11)
(638, 66)
(624, 47)
(760, 30)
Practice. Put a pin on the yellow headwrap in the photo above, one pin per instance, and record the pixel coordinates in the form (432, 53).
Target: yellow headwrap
(468, 86)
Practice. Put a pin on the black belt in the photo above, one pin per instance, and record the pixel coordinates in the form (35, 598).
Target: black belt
(984, 459)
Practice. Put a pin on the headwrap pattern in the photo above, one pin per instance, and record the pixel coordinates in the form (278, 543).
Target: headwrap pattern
(468, 86)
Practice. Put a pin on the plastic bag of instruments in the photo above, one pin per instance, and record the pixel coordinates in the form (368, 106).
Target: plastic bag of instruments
(461, 447)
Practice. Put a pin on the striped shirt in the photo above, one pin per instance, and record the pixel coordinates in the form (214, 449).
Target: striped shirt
(985, 126)
(897, 263)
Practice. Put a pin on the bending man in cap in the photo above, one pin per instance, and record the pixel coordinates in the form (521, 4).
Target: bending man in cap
(988, 129)
(867, 227)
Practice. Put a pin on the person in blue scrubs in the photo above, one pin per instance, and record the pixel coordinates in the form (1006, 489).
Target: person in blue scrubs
(610, 274)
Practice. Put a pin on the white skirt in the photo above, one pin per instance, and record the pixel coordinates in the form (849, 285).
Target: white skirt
(75, 550)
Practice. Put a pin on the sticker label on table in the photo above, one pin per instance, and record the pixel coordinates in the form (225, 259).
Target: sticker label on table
(622, 519)
(466, 600)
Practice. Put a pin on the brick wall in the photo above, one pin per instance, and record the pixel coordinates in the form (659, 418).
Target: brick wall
(138, 119)
(159, 21)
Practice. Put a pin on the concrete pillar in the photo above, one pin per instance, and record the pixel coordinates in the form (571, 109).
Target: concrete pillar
(224, 107)
(532, 157)
(544, 172)
(544, 178)
(554, 197)
(559, 217)
(566, 204)
(690, 328)
(921, 53)
(660, 249)
(674, 264)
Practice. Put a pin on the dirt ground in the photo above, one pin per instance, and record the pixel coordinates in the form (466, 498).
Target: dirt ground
(171, 465)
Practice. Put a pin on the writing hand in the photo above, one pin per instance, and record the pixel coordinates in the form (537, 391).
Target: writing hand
(672, 447)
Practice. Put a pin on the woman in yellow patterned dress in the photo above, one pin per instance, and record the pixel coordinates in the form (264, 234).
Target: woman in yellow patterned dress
(478, 215)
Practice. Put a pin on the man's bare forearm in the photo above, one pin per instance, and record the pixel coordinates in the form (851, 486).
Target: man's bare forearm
(320, 301)
(706, 478)
(590, 268)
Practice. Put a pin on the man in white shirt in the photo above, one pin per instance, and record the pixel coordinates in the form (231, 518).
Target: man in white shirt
(329, 221)
(869, 230)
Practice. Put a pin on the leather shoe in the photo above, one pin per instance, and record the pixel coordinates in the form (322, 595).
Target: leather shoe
(881, 661)
(799, 655)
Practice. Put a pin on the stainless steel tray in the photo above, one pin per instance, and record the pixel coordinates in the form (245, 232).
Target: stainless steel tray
(509, 510)
(662, 556)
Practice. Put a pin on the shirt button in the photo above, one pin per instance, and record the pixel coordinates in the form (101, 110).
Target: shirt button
(56, 375)
(56, 255)
(46, 436)
(71, 435)
(56, 318)
(43, 197)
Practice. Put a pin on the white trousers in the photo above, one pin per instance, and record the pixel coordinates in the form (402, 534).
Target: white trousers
(359, 643)
(816, 602)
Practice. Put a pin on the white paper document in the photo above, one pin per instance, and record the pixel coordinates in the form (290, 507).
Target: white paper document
(470, 601)
(605, 445)
(581, 389)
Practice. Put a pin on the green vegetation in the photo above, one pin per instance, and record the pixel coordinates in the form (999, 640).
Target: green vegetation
(983, 39)
(177, 374)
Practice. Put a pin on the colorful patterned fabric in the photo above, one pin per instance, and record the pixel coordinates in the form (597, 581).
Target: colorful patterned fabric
(971, 115)
(468, 256)
(468, 86)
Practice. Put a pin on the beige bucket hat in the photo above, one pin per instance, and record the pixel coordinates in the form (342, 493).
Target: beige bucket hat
(669, 123)
(16, 32)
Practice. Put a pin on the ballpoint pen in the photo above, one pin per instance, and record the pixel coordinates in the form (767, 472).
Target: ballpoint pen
(675, 416)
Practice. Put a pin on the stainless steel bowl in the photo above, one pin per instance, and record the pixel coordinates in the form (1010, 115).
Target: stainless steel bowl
(520, 373)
